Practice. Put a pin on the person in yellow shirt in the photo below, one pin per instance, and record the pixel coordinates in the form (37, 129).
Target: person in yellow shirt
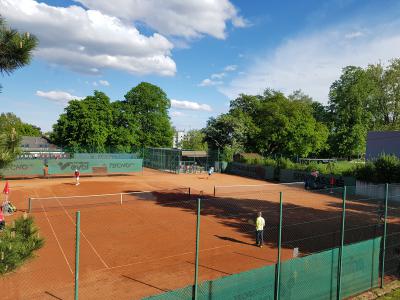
(260, 223)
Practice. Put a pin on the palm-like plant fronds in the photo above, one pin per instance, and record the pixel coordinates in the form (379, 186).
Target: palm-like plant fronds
(15, 48)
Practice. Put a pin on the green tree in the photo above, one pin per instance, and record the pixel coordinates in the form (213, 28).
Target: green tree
(85, 125)
(227, 130)
(194, 140)
(9, 146)
(349, 98)
(15, 48)
(287, 127)
(149, 105)
(384, 97)
(10, 120)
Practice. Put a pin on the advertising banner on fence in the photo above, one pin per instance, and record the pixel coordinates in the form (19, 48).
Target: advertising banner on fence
(68, 166)
(23, 167)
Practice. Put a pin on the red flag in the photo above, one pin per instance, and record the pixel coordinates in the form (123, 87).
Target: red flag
(6, 189)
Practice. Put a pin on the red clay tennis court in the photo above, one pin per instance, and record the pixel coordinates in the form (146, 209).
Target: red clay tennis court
(136, 244)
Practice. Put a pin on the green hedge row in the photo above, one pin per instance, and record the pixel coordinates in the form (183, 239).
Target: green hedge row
(385, 169)
(342, 168)
(17, 243)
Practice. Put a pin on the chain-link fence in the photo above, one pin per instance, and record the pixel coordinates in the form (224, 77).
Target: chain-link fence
(321, 244)
(173, 244)
(132, 244)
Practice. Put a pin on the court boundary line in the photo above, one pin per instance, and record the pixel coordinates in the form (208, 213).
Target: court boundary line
(163, 258)
(260, 185)
(84, 236)
(58, 242)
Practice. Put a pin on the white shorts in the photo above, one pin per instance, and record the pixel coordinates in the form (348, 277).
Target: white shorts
(77, 178)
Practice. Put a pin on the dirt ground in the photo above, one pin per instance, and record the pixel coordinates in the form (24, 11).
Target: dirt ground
(147, 245)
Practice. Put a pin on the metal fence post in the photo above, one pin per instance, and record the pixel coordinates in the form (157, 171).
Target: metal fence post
(196, 273)
(278, 265)
(340, 262)
(384, 235)
(29, 205)
(77, 247)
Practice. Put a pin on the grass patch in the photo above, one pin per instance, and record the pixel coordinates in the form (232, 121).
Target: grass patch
(391, 296)
(18, 241)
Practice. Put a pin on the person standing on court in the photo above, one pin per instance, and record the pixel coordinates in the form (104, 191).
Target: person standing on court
(77, 174)
(260, 223)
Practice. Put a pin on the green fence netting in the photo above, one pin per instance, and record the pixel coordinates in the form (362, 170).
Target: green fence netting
(164, 159)
(316, 276)
(310, 277)
(68, 166)
(253, 171)
(254, 284)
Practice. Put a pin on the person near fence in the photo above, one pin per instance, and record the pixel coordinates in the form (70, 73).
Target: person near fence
(8, 207)
(260, 223)
(45, 171)
(2, 221)
(77, 174)
(210, 171)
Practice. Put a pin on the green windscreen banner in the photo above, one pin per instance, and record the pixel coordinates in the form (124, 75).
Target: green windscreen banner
(255, 284)
(310, 277)
(23, 167)
(85, 166)
(315, 276)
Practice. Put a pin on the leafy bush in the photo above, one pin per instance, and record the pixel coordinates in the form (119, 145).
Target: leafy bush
(386, 169)
(17, 243)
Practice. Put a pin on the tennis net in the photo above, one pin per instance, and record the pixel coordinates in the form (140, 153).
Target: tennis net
(40, 204)
(245, 189)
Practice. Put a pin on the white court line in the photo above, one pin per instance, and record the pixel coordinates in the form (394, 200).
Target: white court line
(165, 257)
(84, 236)
(55, 236)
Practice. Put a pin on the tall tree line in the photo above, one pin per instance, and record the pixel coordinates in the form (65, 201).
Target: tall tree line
(361, 100)
(95, 124)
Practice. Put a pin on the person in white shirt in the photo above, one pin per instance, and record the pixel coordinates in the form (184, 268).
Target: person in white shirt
(260, 223)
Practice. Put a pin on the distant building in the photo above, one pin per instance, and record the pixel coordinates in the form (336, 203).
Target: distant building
(178, 137)
(39, 147)
(382, 142)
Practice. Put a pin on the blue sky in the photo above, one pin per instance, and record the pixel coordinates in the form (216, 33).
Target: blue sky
(201, 53)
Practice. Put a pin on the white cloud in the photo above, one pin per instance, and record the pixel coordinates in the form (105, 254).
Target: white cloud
(188, 19)
(177, 114)
(89, 40)
(209, 82)
(95, 83)
(312, 62)
(58, 96)
(230, 68)
(353, 35)
(189, 105)
(218, 75)
(104, 82)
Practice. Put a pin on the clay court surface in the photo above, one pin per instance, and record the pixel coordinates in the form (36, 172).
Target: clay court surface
(147, 245)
